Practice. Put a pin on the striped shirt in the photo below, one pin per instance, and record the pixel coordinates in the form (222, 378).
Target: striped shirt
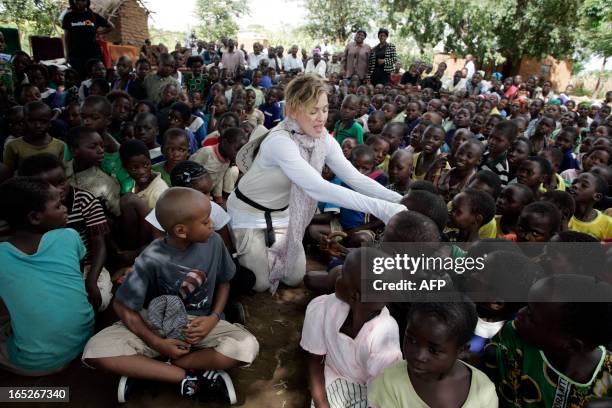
(498, 166)
(86, 216)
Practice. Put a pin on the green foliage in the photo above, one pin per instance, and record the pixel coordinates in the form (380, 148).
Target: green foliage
(219, 17)
(538, 28)
(487, 29)
(596, 23)
(422, 20)
(577, 67)
(337, 19)
(32, 17)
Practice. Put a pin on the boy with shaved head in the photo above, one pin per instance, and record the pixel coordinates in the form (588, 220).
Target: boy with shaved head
(191, 268)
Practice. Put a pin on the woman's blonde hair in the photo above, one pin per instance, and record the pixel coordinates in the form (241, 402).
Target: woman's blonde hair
(304, 91)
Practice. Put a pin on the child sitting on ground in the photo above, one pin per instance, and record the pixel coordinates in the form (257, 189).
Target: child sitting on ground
(147, 131)
(553, 353)
(509, 205)
(84, 170)
(466, 160)
(175, 150)
(254, 115)
(180, 117)
(400, 171)
(44, 262)
(348, 144)
(121, 104)
(86, 216)
(429, 162)
(124, 69)
(148, 185)
(200, 283)
(96, 113)
(461, 135)
(470, 210)
(554, 156)
(193, 175)
(534, 171)
(588, 189)
(595, 156)
(349, 342)
(380, 146)
(153, 83)
(431, 374)
(394, 134)
(357, 225)
(35, 139)
(538, 222)
(541, 137)
(376, 122)
(218, 160)
(495, 159)
(347, 126)
(566, 141)
(271, 109)
(390, 111)
(95, 70)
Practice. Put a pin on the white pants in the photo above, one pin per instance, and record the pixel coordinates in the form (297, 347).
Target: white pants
(253, 254)
(104, 284)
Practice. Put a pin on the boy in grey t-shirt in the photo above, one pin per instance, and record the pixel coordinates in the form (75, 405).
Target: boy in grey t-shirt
(192, 263)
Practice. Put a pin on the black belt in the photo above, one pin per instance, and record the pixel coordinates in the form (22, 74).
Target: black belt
(270, 238)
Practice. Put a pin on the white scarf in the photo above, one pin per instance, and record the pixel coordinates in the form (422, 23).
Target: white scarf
(301, 206)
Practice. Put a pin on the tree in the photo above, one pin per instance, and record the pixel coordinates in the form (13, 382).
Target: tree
(219, 17)
(488, 30)
(538, 28)
(337, 19)
(423, 20)
(39, 17)
(596, 25)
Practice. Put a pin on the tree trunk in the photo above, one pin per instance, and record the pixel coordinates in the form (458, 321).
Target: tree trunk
(603, 69)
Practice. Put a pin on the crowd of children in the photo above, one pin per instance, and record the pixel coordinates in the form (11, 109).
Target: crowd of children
(113, 194)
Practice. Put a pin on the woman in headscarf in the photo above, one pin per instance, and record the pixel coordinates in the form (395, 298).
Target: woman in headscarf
(382, 59)
(276, 198)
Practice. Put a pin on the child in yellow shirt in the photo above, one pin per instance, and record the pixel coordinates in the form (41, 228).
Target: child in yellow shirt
(588, 189)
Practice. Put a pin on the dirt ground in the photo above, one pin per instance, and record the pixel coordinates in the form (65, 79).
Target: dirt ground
(277, 378)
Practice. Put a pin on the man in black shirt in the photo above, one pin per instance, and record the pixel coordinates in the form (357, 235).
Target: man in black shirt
(81, 25)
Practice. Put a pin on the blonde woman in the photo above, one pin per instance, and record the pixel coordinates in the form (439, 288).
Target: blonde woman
(276, 199)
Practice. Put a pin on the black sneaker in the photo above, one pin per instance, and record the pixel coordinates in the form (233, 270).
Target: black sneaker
(234, 312)
(209, 385)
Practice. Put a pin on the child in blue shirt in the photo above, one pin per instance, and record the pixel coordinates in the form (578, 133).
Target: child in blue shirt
(43, 289)
(272, 111)
(359, 226)
(566, 141)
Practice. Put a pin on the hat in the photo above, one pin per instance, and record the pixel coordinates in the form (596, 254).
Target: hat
(167, 315)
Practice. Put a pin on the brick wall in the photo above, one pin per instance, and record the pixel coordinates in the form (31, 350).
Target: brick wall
(559, 73)
(131, 25)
